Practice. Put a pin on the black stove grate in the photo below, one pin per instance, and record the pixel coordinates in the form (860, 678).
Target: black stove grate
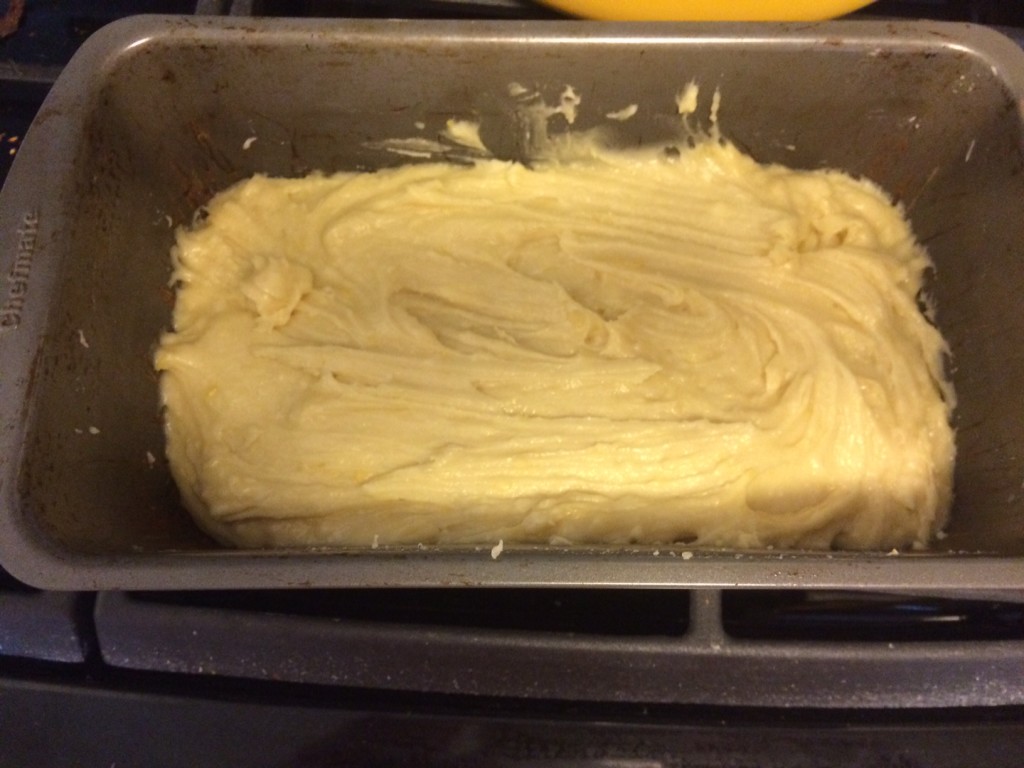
(50, 31)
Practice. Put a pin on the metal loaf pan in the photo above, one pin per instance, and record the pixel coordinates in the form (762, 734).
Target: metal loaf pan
(153, 115)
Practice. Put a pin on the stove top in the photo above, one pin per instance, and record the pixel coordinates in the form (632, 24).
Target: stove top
(490, 677)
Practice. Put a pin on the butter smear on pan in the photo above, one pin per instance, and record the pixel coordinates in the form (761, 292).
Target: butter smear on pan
(628, 347)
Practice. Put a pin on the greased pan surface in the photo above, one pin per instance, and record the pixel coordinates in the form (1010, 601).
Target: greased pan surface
(154, 115)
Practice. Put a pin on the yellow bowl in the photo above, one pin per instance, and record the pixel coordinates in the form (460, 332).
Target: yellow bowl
(708, 10)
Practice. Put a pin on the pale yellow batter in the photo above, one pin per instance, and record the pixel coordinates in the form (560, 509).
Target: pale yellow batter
(642, 347)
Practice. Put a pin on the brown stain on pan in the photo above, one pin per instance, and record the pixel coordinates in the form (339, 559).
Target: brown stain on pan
(207, 173)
